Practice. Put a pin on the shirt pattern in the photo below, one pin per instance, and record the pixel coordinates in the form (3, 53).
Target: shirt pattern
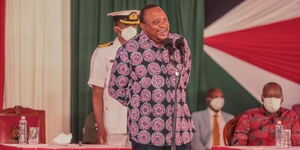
(143, 79)
(257, 127)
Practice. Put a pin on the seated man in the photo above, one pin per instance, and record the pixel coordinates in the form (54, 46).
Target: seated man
(296, 109)
(209, 123)
(257, 126)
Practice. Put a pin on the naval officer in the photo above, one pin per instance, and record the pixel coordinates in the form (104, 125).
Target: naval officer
(110, 115)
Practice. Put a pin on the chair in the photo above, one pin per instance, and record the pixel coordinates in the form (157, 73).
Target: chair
(296, 109)
(90, 130)
(229, 128)
(9, 122)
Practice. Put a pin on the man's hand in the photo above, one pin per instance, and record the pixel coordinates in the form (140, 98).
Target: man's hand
(99, 114)
(101, 139)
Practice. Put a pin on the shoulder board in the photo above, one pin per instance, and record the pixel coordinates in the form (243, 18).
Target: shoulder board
(105, 45)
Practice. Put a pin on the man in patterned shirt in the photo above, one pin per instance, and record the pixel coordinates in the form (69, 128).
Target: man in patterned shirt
(257, 126)
(143, 79)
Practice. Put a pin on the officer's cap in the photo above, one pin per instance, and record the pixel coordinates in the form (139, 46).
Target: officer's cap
(126, 16)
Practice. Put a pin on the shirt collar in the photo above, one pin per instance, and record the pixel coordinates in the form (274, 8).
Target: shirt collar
(145, 37)
(212, 113)
(117, 43)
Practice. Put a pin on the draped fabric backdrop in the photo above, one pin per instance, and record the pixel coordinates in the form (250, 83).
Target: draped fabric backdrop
(256, 42)
(247, 44)
(2, 52)
(91, 26)
(37, 59)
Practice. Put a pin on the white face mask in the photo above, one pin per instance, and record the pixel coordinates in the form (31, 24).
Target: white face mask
(272, 104)
(128, 33)
(217, 103)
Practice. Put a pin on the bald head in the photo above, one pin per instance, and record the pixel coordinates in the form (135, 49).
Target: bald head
(272, 89)
(215, 92)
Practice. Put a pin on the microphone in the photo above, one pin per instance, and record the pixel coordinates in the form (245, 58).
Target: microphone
(179, 43)
(168, 44)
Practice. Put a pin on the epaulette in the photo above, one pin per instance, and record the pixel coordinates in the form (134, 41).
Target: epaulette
(105, 44)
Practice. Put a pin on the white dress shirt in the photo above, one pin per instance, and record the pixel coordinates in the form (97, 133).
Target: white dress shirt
(115, 114)
(221, 123)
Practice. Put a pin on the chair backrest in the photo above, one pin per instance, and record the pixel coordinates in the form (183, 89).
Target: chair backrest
(9, 122)
(90, 130)
(229, 129)
(296, 109)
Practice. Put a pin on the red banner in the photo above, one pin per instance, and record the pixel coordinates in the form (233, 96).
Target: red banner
(274, 47)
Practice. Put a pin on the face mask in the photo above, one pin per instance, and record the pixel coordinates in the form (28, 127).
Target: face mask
(217, 103)
(128, 33)
(272, 104)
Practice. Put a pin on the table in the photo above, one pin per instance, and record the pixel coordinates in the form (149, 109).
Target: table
(59, 147)
(253, 148)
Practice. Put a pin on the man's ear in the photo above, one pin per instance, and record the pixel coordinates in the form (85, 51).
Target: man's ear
(117, 30)
(142, 26)
(207, 99)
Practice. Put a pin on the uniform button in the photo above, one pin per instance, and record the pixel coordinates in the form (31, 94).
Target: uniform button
(106, 108)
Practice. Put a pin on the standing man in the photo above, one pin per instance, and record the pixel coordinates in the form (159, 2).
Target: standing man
(210, 123)
(110, 115)
(143, 79)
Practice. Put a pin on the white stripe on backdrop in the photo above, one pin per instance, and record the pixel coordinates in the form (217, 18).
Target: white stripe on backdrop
(37, 59)
(247, 15)
(253, 78)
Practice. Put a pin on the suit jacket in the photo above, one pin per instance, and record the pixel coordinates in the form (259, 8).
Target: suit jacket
(203, 132)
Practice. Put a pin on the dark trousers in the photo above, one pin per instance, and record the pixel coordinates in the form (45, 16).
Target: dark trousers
(137, 146)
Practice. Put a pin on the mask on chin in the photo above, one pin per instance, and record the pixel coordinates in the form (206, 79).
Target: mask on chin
(217, 103)
(272, 104)
(128, 33)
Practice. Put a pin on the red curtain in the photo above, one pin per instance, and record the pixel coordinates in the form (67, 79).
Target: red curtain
(274, 47)
(2, 47)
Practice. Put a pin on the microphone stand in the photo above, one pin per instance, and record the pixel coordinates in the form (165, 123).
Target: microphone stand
(169, 45)
(173, 144)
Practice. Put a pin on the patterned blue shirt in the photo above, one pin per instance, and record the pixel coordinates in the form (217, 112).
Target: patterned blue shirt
(143, 79)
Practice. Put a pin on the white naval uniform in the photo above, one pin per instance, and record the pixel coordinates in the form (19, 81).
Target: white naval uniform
(115, 114)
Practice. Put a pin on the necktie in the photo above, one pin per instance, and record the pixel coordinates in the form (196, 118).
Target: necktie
(216, 131)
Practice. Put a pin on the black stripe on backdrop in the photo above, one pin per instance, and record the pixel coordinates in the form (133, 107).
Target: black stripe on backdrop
(214, 9)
